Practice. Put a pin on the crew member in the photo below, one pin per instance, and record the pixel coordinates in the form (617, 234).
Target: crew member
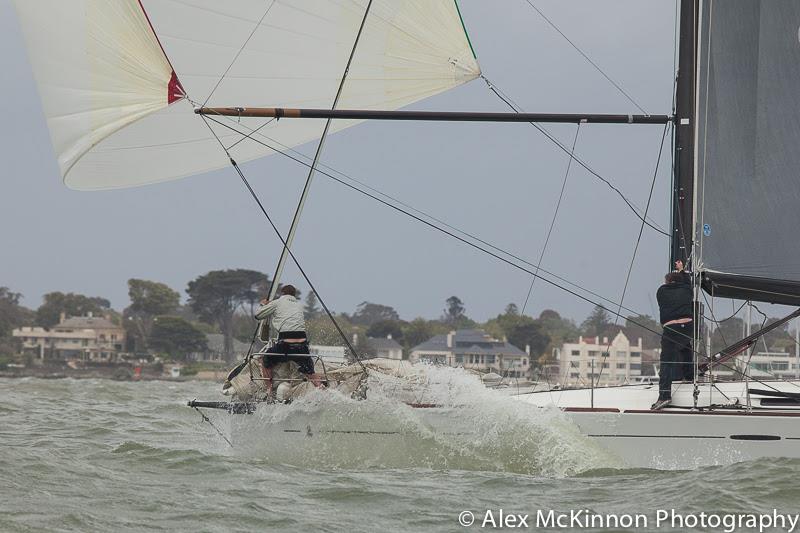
(286, 319)
(675, 305)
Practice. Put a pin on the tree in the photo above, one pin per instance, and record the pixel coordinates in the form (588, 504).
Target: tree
(779, 338)
(320, 330)
(726, 333)
(597, 323)
(419, 330)
(454, 310)
(528, 333)
(455, 314)
(149, 299)
(500, 326)
(520, 330)
(152, 298)
(71, 304)
(244, 327)
(368, 313)
(217, 295)
(643, 327)
(12, 315)
(176, 337)
(387, 327)
(311, 308)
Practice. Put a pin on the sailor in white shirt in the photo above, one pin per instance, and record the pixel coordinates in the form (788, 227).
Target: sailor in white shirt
(286, 318)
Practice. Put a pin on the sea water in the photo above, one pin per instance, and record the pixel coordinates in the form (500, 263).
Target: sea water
(97, 455)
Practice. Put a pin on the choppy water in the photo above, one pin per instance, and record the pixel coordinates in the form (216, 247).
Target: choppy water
(84, 455)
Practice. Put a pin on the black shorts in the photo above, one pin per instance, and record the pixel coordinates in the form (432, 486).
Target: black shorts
(284, 352)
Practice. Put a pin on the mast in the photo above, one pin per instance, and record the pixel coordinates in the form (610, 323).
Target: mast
(685, 111)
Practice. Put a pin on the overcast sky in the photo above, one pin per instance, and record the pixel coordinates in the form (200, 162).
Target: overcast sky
(499, 181)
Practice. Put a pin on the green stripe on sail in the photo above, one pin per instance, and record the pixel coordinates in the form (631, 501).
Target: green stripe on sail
(466, 33)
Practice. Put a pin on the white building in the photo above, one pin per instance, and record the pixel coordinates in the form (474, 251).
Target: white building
(598, 361)
(762, 365)
(87, 338)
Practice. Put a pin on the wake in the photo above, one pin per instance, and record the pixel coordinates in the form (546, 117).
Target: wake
(453, 422)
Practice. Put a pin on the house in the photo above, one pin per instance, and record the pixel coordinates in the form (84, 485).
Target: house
(87, 338)
(473, 349)
(598, 362)
(387, 347)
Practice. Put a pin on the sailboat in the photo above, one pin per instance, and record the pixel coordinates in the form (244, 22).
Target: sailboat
(122, 81)
(735, 188)
(137, 92)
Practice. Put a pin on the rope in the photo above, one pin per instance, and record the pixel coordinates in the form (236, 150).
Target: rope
(306, 188)
(639, 237)
(291, 254)
(236, 57)
(468, 243)
(646, 210)
(555, 141)
(446, 231)
(283, 151)
(587, 58)
(297, 264)
(555, 216)
(210, 423)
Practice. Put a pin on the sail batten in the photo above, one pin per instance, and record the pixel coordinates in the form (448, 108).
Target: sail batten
(113, 74)
(748, 164)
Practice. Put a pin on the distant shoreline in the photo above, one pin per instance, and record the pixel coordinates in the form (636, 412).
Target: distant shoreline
(107, 374)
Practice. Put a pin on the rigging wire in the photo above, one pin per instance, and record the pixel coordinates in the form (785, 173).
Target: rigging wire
(510, 103)
(313, 168)
(461, 239)
(264, 125)
(210, 423)
(555, 216)
(473, 245)
(454, 235)
(236, 57)
(646, 210)
(586, 57)
(639, 237)
(297, 158)
(288, 250)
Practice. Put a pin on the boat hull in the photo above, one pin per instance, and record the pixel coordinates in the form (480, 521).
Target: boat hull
(669, 440)
(722, 429)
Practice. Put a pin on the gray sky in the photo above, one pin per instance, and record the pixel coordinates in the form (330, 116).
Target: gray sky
(499, 181)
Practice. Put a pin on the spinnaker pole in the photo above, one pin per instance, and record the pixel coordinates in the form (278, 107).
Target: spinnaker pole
(312, 170)
(444, 116)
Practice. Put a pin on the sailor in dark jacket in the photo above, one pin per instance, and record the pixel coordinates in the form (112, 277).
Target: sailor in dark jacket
(675, 305)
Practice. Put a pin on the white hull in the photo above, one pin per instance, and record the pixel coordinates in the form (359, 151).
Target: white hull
(682, 436)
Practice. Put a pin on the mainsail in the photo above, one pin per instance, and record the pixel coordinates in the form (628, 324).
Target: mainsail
(748, 162)
(119, 79)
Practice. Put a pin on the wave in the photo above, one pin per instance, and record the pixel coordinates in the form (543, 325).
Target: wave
(471, 428)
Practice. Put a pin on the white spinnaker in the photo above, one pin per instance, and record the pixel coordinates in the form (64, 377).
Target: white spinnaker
(104, 79)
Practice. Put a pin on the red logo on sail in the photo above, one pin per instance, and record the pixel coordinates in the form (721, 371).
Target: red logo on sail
(175, 90)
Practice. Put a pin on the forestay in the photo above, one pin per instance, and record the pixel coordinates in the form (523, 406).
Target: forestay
(748, 162)
(112, 74)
